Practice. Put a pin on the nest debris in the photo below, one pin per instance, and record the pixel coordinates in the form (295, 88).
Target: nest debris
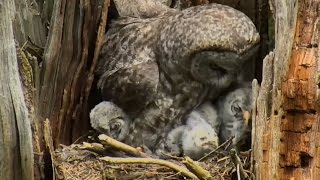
(111, 159)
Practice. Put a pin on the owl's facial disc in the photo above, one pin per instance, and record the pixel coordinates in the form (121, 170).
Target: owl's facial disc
(210, 145)
(217, 69)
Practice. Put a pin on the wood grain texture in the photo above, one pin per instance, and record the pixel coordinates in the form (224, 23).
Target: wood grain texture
(286, 144)
(16, 154)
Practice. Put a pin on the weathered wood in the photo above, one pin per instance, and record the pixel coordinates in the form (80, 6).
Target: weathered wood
(299, 155)
(261, 114)
(28, 23)
(63, 75)
(16, 154)
(286, 144)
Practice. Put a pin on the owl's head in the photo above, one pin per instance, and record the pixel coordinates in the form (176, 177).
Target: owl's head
(237, 104)
(208, 42)
(108, 118)
(199, 140)
(234, 112)
(199, 137)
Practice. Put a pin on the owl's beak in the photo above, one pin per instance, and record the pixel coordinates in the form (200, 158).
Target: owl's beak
(210, 145)
(246, 117)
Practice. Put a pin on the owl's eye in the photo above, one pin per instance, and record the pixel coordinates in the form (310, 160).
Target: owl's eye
(236, 109)
(203, 138)
(213, 66)
(115, 126)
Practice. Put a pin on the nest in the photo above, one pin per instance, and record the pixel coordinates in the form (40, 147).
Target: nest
(111, 159)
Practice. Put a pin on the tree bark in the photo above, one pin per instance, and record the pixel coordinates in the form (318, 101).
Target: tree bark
(16, 154)
(286, 125)
(56, 48)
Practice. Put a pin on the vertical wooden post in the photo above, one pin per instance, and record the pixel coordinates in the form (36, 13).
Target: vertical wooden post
(286, 125)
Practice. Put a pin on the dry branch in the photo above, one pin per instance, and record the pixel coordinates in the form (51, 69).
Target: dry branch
(121, 146)
(197, 169)
(237, 162)
(215, 150)
(95, 147)
(168, 164)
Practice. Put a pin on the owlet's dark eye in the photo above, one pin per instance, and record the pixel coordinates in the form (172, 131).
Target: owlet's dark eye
(115, 126)
(236, 108)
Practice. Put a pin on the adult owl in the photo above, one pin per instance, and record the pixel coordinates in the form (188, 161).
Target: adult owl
(158, 69)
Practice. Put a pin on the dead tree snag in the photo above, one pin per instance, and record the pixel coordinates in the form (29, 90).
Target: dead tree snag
(286, 131)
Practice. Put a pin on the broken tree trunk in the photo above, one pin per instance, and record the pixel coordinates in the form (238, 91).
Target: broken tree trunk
(286, 125)
(55, 46)
(16, 154)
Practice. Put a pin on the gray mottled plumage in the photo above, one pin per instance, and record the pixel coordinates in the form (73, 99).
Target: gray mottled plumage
(208, 112)
(108, 118)
(198, 136)
(158, 69)
(143, 8)
(232, 110)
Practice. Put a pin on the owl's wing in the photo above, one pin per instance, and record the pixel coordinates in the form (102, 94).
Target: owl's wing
(127, 69)
(143, 8)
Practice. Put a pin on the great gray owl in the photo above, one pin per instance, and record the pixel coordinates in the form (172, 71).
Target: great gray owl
(158, 69)
(234, 113)
(108, 118)
(198, 136)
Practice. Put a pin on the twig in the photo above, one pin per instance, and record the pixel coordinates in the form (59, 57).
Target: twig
(222, 159)
(196, 169)
(238, 172)
(172, 175)
(172, 157)
(121, 146)
(95, 147)
(211, 152)
(168, 164)
(236, 161)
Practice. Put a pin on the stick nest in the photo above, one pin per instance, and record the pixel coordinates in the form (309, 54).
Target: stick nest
(111, 159)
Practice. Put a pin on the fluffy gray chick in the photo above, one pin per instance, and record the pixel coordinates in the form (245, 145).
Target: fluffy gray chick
(207, 112)
(108, 118)
(234, 111)
(198, 136)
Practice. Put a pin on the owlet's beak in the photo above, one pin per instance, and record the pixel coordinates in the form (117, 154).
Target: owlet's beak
(246, 117)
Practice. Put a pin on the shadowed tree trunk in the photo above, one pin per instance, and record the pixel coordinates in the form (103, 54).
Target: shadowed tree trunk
(16, 154)
(286, 125)
(55, 43)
